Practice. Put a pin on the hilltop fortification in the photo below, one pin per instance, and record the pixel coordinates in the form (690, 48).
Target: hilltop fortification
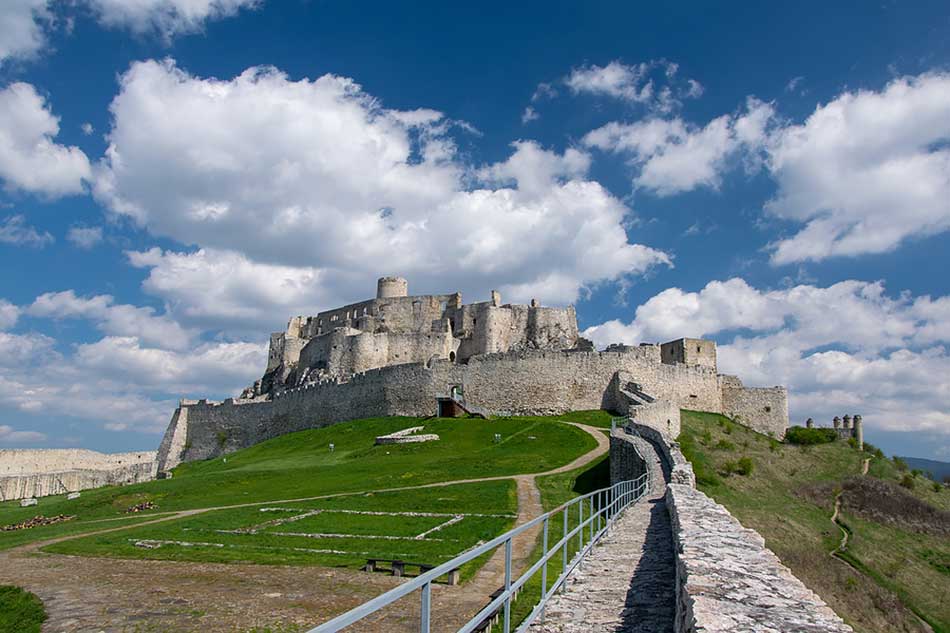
(398, 354)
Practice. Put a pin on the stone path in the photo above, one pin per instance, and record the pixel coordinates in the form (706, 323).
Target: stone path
(86, 594)
(627, 584)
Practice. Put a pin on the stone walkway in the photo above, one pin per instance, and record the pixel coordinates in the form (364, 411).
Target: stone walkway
(627, 584)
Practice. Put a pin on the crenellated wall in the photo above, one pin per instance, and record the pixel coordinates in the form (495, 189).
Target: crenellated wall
(513, 383)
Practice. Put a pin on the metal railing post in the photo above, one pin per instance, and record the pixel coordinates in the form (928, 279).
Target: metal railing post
(424, 618)
(580, 526)
(564, 561)
(544, 569)
(508, 585)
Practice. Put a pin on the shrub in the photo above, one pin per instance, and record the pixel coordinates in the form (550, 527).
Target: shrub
(745, 466)
(804, 436)
(725, 445)
(908, 481)
(20, 610)
(899, 463)
(917, 472)
(730, 468)
(727, 428)
(707, 437)
(937, 487)
(773, 445)
(853, 442)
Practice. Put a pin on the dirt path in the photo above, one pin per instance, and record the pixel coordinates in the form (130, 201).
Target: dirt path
(85, 594)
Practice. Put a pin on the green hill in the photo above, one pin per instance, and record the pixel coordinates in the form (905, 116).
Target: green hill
(301, 465)
(893, 575)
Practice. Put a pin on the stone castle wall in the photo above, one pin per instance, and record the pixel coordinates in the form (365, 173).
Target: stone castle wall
(764, 409)
(522, 383)
(44, 472)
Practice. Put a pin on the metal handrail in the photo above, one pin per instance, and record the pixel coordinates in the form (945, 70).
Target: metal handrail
(610, 503)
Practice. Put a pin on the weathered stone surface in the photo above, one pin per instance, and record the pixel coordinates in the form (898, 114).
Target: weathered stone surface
(43, 472)
(627, 583)
(727, 580)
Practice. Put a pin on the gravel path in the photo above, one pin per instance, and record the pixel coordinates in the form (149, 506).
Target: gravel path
(627, 584)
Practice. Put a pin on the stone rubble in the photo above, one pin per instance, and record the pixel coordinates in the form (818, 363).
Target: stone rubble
(37, 521)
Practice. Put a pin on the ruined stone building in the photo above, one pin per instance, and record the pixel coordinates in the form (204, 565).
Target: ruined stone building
(399, 354)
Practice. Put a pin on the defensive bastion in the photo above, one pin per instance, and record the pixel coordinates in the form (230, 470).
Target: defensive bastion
(399, 354)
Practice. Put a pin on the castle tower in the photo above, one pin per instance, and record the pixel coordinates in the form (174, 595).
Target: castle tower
(847, 421)
(837, 422)
(859, 432)
(388, 287)
(809, 423)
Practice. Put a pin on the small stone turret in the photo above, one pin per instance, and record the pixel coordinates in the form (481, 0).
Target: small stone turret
(847, 421)
(809, 423)
(837, 422)
(859, 432)
(389, 287)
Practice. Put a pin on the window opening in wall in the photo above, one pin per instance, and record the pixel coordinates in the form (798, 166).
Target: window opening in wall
(768, 409)
(452, 356)
(699, 348)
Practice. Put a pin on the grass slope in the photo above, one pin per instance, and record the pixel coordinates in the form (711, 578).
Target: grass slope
(301, 465)
(788, 498)
(211, 537)
(20, 611)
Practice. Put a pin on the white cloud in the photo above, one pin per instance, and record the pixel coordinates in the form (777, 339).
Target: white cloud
(21, 28)
(85, 237)
(671, 156)
(634, 83)
(212, 367)
(9, 435)
(165, 17)
(529, 115)
(87, 128)
(865, 172)
(15, 230)
(224, 289)
(9, 314)
(112, 318)
(19, 349)
(848, 347)
(317, 177)
(29, 158)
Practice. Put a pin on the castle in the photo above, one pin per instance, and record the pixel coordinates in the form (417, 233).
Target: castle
(399, 354)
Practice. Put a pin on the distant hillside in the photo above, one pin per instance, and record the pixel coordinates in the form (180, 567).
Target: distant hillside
(893, 574)
(937, 470)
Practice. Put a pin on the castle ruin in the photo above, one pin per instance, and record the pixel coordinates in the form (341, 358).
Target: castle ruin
(402, 354)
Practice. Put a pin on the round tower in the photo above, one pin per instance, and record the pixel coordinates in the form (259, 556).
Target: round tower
(809, 423)
(837, 422)
(847, 421)
(859, 432)
(388, 287)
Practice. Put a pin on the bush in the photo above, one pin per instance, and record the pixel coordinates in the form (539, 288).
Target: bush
(20, 611)
(917, 472)
(729, 469)
(773, 445)
(937, 487)
(725, 445)
(803, 436)
(745, 466)
(899, 463)
(853, 442)
(908, 481)
(707, 437)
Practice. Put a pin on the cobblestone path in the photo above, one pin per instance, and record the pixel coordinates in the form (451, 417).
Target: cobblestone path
(627, 583)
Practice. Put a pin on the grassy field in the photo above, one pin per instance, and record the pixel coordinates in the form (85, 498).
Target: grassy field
(301, 465)
(430, 525)
(20, 611)
(901, 575)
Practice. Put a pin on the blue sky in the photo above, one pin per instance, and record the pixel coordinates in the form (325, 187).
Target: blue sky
(180, 176)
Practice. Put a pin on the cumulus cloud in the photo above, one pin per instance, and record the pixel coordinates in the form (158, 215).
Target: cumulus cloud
(9, 435)
(845, 347)
(84, 237)
(113, 318)
(30, 160)
(635, 83)
(865, 172)
(316, 176)
(21, 28)
(672, 156)
(9, 314)
(14, 230)
(165, 17)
